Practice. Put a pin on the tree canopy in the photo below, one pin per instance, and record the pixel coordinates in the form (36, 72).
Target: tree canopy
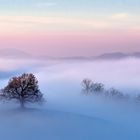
(23, 88)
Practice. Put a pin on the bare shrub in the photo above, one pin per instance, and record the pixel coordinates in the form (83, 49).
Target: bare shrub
(137, 98)
(98, 87)
(114, 93)
(87, 86)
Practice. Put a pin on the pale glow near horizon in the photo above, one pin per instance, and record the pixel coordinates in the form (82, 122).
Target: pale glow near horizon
(61, 28)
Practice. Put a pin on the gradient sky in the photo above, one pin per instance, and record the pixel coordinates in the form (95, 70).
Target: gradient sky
(70, 27)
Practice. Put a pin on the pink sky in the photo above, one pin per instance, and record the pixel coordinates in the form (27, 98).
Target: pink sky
(72, 44)
(70, 28)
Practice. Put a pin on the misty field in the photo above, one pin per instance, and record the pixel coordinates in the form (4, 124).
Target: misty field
(68, 114)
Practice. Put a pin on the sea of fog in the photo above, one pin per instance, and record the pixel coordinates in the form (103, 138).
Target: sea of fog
(67, 113)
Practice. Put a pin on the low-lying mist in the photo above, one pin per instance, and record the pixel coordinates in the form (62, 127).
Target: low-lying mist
(67, 108)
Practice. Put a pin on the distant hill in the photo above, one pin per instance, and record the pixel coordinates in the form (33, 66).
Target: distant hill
(115, 55)
(105, 56)
(136, 54)
(118, 55)
(13, 53)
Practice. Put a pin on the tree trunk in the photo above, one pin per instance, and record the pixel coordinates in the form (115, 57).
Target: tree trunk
(22, 104)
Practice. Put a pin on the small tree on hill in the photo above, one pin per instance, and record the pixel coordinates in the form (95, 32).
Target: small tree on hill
(98, 87)
(115, 94)
(87, 86)
(24, 89)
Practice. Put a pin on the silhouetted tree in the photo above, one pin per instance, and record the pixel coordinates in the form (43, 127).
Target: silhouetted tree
(137, 98)
(24, 89)
(87, 86)
(97, 87)
(114, 93)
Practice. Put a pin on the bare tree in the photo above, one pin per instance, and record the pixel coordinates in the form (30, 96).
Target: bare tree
(24, 89)
(98, 87)
(114, 93)
(137, 98)
(87, 86)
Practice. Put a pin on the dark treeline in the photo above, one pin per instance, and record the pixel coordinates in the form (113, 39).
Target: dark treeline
(93, 88)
